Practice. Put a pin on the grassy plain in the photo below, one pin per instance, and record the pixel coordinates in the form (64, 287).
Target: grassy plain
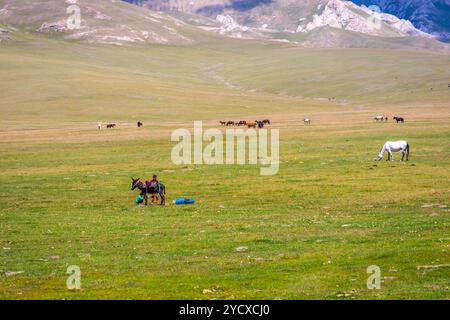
(311, 231)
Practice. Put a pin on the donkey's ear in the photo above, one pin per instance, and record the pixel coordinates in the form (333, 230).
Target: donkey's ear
(132, 178)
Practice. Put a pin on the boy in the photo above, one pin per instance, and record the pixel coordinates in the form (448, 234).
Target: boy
(153, 188)
(140, 199)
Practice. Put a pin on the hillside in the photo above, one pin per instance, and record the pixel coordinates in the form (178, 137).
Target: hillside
(56, 82)
(293, 16)
(287, 19)
(102, 21)
(119, 23)
(327, 37)
(430, 16)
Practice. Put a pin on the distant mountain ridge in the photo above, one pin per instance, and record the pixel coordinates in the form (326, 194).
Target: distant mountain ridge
(429, 16)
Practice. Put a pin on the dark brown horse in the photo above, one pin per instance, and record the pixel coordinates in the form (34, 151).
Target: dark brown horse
(136, 183)
(139, 124)
(110, 126)
(399, 119)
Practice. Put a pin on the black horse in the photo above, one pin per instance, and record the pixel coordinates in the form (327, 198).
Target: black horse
(399, 119)
(139, 124)
(136, 183)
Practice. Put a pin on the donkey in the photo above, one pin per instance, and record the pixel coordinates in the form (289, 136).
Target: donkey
(394, 146)
(136, 183)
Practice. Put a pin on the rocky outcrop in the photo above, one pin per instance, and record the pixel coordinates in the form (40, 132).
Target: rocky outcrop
(229, 25)
(348, 16)
(60, 26)
(430, 16)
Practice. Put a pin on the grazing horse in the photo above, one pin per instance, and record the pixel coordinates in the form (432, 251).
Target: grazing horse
(222, 123)
(110, 126)
(380, 118)
(394, 146)
(242, 123)
(307, 121)
(139, 124)
(399, 119)
(136, 183)
(266, 121)
(251, 125)
(260, 124)
(230, 123)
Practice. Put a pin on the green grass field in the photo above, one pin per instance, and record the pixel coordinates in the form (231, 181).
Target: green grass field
(311, 231)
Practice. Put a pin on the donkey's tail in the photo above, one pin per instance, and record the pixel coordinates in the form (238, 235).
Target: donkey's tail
(407, 148)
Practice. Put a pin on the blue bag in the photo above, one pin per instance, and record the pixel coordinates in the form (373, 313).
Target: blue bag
(184, 201)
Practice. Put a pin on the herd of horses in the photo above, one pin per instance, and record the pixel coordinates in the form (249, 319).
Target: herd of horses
(254, 124)
(113, 125)
(384, 118)
(251, 124)
(261, 123)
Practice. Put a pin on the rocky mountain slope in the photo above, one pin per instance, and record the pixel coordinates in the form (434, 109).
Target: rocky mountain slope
(309, 23)
(102, 21)
(348, 16)
(312, 23)
(431, 16)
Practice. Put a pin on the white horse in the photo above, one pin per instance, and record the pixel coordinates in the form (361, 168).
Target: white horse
(395, 146)
(380, 118)
(307, 121)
